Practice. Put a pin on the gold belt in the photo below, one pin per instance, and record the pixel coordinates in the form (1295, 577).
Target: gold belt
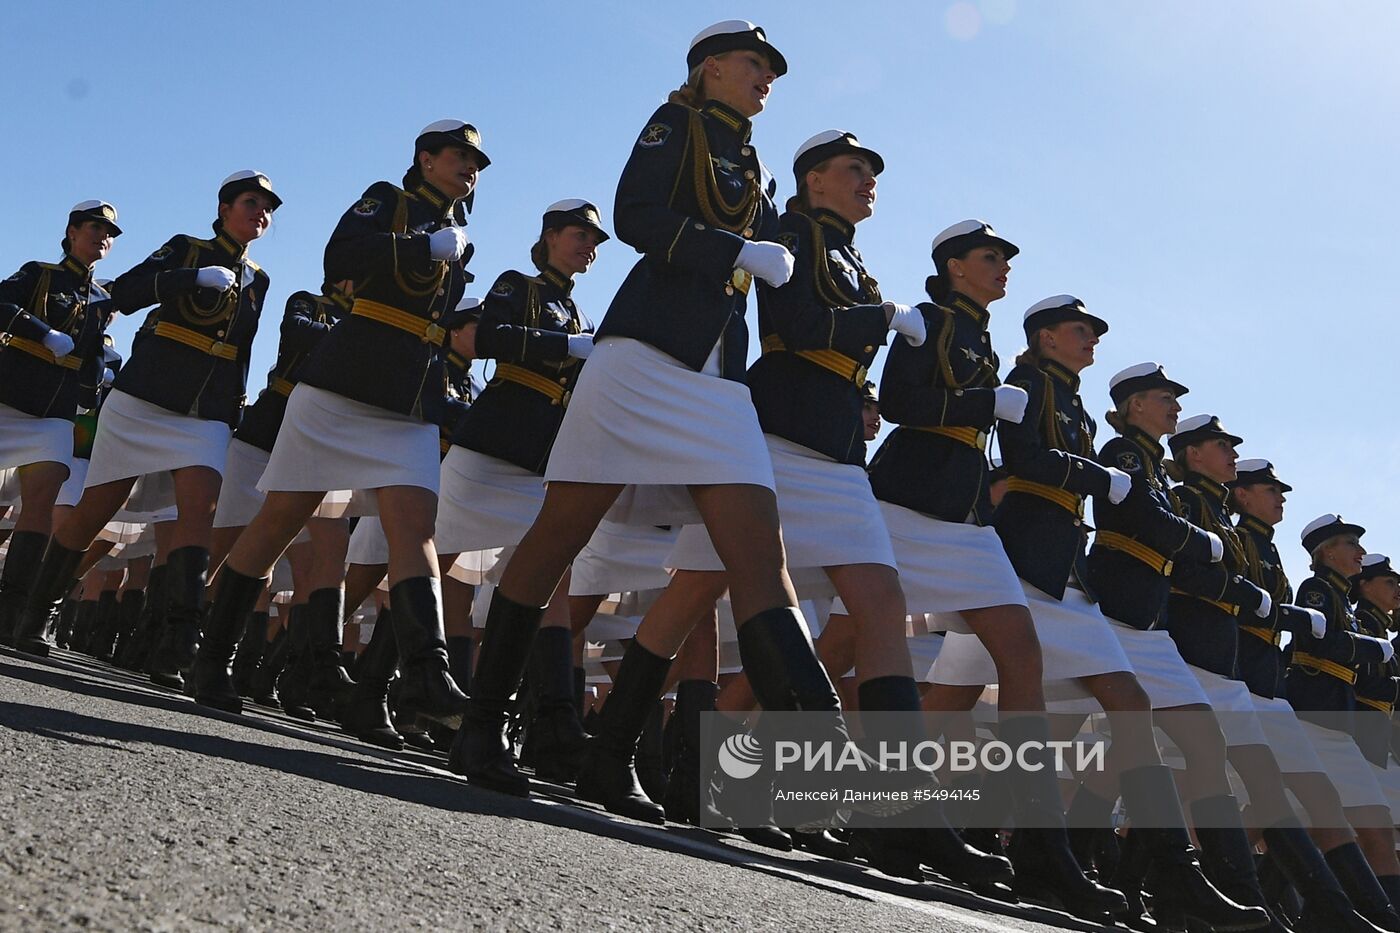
(35, 348)
(1223, 607)
(1134, 548)
(1258, 631)
(972, 437)
(427, 331)
(1339, 671)
(838, 363)
(1061, 497)
(1381, 705)
(191, 338)
(281, 386)
(533, 380)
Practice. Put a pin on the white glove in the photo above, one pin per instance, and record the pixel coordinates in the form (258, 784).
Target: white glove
(1266, 604)
(1011, 403)
(1319, 622)
(1387, 649)
(770, 262)
(909, 322)
(1119, 484)
(107, 377)
(580, 345)
(58, 343)
(1217, 547)
(448, 244)
(214, 277)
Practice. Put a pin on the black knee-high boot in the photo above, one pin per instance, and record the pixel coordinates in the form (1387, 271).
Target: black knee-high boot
(482, 750)
(132, 657)
(1227, 857)
(935, 844)
(249, 655)
(51, 583)
(606, 775)
(460, 650)
(365, 714)
(212, 673)
(325, 611)
(104, 630)
(425, 687)
(1325, 903)
(1046, 870)
(684, 785)
(22, 562)
(1089, 822)
(294, 680)
(186, 576)
(1180, 891)
(73, 629)
(1366, 892)
(555, 733)
(129, 609)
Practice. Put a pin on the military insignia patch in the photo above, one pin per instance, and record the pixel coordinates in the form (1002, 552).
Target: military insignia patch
(1315, 599)
(789, 239)
(654, 135)
(162, 252)
(367, 207)
(503, 289)
(1129, 462)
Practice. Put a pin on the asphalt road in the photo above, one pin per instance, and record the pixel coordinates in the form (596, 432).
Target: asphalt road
(129, 807)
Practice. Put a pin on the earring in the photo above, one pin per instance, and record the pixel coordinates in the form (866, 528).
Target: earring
(430, 166)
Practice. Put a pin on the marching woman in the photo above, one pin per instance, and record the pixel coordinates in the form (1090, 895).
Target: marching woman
(820, 332)
(172, 409)
(661, 407)
(1321, 687)
(356, 420)
(491, 477)
(1209, 606)
(1377, 592)
(52, 316)
(305, 322)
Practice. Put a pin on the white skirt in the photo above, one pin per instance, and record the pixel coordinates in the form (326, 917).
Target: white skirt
(1389, 779)
(239, 496)
(1349, 770)
(1164, 676)
(367, 543)
(924, 649)
(26, 439)
(640, 417)
(622, 559)
(1292, 748)
(72, 489)
(135, 437)
(829, 517)
(1075, 642)
(9, 486)
(484, 503)
(329, 442)
(1234, 708)
(945, 567)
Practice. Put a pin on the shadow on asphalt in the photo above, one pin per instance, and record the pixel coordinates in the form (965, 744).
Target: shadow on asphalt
(385, 776)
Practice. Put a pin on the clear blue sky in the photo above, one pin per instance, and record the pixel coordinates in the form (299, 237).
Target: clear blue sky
(1216, 180)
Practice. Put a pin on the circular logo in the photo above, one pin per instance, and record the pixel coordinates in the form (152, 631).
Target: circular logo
(740, 756)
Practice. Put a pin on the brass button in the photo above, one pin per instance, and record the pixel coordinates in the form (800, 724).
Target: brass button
(436, 315)
(219, 334)
(1076, 403)
(747, 150)
(563, 380)
(869, 349)
(984, 338)
(729, 289)
(748, 173)
(442, 291)
(699, 226)
(748, 233)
